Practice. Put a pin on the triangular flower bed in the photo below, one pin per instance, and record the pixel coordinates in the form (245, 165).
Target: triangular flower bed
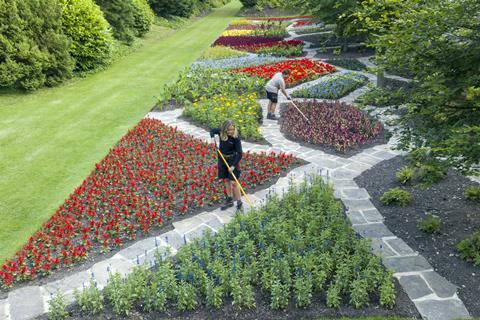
(152, 175)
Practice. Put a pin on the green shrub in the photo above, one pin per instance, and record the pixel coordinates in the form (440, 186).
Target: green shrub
(396, 196)
(473, 193)
(221, 52)
(120, 15)
(33, 48)
(431, 224)
(143, 17)
(83, 22)
(427, 169)
(249, 3)
(383, 97)
(351, 64)
(405, 174)
(56, 310)
(469, 248)
(90, 299)
(167, 8)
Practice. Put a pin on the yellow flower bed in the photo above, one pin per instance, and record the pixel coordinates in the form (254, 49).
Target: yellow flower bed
(236, 33)
(240, 22)
(243, 110)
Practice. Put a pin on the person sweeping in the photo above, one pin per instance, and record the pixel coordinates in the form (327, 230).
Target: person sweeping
(277, 83)
(231, 149)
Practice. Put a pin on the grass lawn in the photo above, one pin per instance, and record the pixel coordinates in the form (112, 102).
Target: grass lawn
(51, 139)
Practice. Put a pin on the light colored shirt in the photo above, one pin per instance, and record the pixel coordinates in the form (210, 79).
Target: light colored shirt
(276, 83)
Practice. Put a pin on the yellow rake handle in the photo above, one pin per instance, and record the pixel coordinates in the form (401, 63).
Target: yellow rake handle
(236, 180)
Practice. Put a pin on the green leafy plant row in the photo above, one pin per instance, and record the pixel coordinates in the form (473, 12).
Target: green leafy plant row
(292, 250)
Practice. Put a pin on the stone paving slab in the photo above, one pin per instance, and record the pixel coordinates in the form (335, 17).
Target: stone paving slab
(372, 230)
(407, 264)
(415, 286)
(373, 215)
(381, 249)
(3, 310)
(442, 309)
(399, 246)
(173, 239)
(101, 271)
(75, 281)
(355, 194)
(26, 303)
(355, 204)
(440, 285)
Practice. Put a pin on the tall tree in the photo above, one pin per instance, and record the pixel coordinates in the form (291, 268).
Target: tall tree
(438, 40)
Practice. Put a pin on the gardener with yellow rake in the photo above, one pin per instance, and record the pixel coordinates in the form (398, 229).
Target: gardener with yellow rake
(229, 156)
(277, 83)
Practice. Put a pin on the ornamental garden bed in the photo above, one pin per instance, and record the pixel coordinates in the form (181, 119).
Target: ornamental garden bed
(333, 86)
(334, 127)
(244, 110)
(153, 175)
(301, 70)
(444, 201)
(292, 258)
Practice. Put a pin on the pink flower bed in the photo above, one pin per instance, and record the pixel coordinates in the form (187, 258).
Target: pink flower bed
(238, 41)
(332, 124)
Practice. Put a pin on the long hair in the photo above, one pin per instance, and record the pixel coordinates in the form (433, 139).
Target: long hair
(223, 130)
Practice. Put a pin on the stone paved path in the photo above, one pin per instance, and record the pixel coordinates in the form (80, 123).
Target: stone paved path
(434, 297)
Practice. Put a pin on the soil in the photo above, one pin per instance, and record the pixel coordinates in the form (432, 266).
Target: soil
(460, 218)
(96, 254)
(382, 138)
(404, 307)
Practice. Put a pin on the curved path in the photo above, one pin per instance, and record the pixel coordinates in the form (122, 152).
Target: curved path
(434, 297)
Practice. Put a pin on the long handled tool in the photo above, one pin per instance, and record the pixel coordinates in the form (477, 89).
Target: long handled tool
(293, 103)
(231, 171)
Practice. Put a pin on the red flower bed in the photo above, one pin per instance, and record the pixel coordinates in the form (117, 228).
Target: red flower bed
(237, 41)
(279, 18)
(154, 173)
(332, 124)
(256, 47)
(302, 23)
(302, 70)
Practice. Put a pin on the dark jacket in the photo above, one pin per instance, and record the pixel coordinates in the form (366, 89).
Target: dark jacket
(230, 148)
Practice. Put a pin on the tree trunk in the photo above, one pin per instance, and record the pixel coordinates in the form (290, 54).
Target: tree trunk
(380, 78)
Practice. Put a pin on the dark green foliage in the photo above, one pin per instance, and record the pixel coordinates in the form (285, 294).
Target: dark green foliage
(396, 196)
(249, 3)
(428, 170)
(470, 248)
(84, 24)
(143, 17)
(295, 250)
(166, 8)
(430, 224)
(351, 64)
(473, 193)
(33, 49)
(405, 174)
(438, 41)
(383, 97)
(120, 15)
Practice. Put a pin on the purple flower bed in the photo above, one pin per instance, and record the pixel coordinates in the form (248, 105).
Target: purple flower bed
(238, 41)
(332, 124)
